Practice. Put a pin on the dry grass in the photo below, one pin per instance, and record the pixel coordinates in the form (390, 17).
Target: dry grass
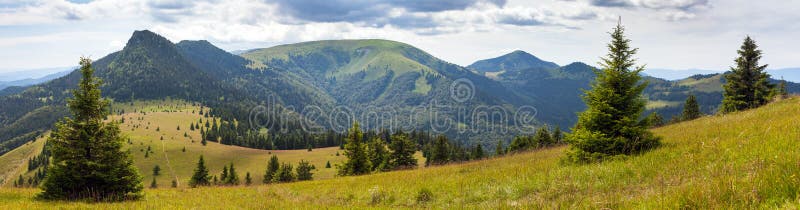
(743, 160)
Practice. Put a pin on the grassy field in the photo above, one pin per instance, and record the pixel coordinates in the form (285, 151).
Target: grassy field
(743, 160)
(147, 122)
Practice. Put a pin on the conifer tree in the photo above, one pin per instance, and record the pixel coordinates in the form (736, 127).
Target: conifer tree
(200, 176)
(247, 179)
(328, 164)
(377, 155)
(87, 157)
(691, 110)
(477, 154)
(655, 120)
(284, 174)
(498, 151)
(610, 125)
(355, 150)
(224, 176)
(782, 93)
(543, 138)
(174, 183)
(304, 171)
(272, 167)
(403, 149)
(747, 84)
(156, 170)
(153, 184)
(558, 136)
(233, 177)
(441, 151)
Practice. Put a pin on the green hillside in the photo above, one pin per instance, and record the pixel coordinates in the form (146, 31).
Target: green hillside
(146, 122)
(737, 161)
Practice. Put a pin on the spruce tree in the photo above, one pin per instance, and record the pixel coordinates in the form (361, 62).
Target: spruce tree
(610, 125)
(272, 167)
(224, 175)
(558, 136)
(284, 174)
(200, 176)
(247, 179)
(655, 120)
(355, 150)
(87, 157)
(377, 155)
(233, 177)
(156, 170)
(441, 151)
(477, 154)
(498, 150)
(304, 171)
(543, 138)
(691, 110)
(747, 84)
(782, 93)
(403, 149)
(153, 184)
(328, 164)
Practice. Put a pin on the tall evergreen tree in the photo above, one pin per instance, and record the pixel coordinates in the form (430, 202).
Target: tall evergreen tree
(543, 138)
(156, 170)
(200, 176)
(610, 125)
(498, 151)
(654, 120)
(747, 84)
(691, 110)
(477, 153)
(304, 170)
(782, 93)
(378, 155)
(284, 174)
(403, 149)
(558, 136)
(441, 151)
(88, 161)
(233, 177)
(248, 180)
(224, 175)
(355, 150)
(272, 167)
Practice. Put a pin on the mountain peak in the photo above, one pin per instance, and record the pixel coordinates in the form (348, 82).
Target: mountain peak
(149, 38)
(514, 61)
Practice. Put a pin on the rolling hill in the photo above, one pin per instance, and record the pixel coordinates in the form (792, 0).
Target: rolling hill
(748, 160)
(163, 127)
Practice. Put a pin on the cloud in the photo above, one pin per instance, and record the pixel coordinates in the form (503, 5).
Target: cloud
(653, 4)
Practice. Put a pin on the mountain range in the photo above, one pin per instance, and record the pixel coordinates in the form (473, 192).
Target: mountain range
(325, 85)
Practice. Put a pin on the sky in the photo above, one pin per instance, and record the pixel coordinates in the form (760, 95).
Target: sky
(670, 34)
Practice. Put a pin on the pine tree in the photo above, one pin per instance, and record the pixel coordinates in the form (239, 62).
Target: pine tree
(441, 151)
(272, 167)
(543, 138)
(691, 110)
(224, 175)
(153, 184)
(309, 147)
(782, 93)
(520, 143)
(247, 179)
(403, 149)
(477, 154)
(284, 174)
(655, 120)
(87, 157)
(328, 164)
(355, 150)
(610, 125)
(156, 170)
(200, 176)
(747, 84)
(174, 183)
(304, 171)
(558, 136)
(377, 154)
(498, 150)
(233, 177)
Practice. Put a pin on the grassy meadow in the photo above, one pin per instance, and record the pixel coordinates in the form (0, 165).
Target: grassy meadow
(737, 161)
